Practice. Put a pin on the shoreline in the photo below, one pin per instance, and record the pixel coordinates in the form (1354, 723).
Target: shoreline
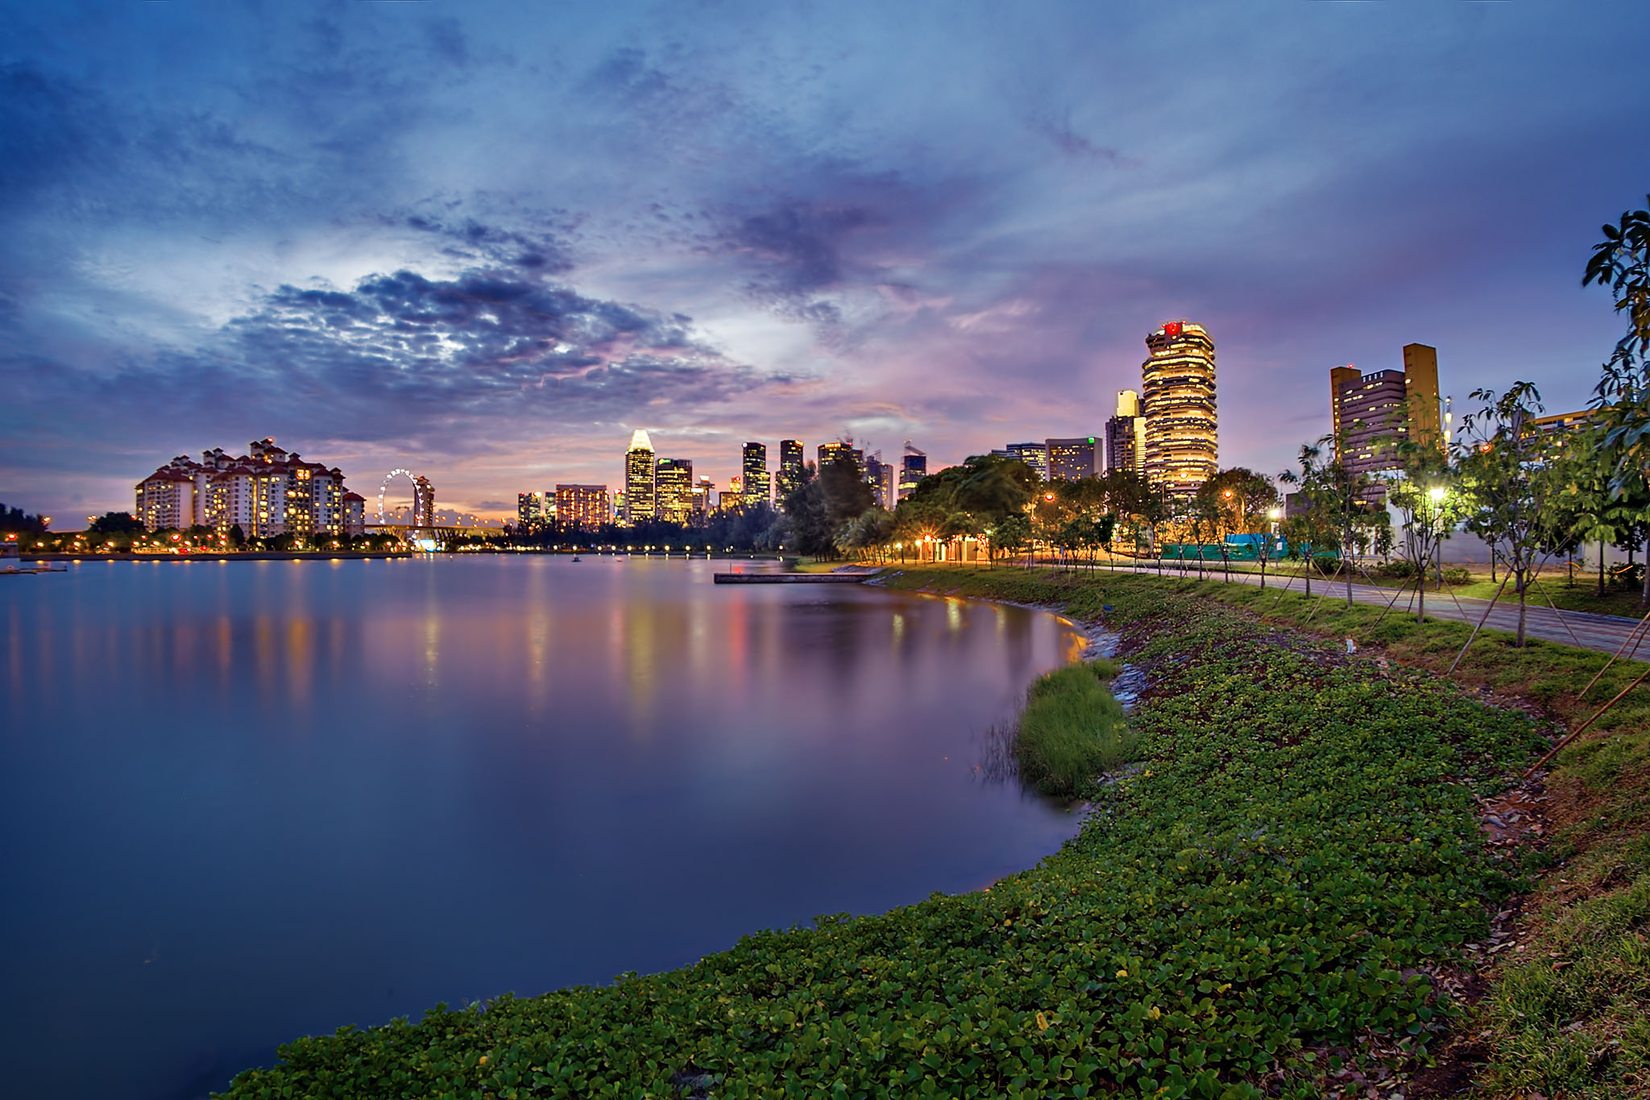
(1280, 779)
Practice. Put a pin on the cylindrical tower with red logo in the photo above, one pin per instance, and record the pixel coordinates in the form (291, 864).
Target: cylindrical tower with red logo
(1178, 401)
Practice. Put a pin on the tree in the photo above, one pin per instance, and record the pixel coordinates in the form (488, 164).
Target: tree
(1621, 262)
(1512, 485)
(1230, 503)
(116, 523)
(1430, 509)
(15, 521)
(1331, 506)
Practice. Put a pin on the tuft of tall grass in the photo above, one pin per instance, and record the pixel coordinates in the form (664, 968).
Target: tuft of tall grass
(1072, 729)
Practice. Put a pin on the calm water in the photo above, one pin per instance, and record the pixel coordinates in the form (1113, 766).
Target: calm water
(241, 802)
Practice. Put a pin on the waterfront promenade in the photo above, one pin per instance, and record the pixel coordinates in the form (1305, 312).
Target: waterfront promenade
(1586, 629)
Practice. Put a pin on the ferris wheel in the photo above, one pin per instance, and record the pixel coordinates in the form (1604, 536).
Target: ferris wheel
(421, 510)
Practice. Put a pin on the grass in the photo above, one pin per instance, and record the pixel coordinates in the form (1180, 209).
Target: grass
(1297, 856)
(1072, 729)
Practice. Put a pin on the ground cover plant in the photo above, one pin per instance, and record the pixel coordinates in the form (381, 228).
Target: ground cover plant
(1566, 1009)
(1298, 844)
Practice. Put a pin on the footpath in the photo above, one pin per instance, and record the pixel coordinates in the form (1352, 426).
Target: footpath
(1584, 629)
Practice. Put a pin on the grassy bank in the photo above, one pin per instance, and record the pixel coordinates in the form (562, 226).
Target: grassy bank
(1298, 854)
(1072, 730)
(1567, 993)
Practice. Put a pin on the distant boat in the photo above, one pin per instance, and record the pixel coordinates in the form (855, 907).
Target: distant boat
(575, 557)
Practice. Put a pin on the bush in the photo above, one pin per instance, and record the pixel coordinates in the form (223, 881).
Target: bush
(1072, 730)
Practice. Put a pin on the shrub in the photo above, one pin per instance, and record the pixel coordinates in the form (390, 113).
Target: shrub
(1072, 729)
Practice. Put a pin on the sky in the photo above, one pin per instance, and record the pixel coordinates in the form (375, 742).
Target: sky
(487, 241)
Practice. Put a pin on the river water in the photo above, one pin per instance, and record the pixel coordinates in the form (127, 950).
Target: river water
(242, 802)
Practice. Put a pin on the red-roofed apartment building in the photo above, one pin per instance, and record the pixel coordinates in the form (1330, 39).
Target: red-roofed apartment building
(270, 491)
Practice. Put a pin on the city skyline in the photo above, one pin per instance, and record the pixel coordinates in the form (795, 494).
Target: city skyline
(488, 246)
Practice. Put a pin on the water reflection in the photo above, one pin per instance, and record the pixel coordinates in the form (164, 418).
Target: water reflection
(359, 788)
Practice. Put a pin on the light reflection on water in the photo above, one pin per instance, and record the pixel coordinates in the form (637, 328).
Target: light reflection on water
(267, 799)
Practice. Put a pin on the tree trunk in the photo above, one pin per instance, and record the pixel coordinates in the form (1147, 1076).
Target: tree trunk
(1522, 603)
(1421, 591)
(1601, 568)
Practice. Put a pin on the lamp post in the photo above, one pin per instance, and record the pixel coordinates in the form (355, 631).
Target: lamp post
(1274, 514)
(1436, 495)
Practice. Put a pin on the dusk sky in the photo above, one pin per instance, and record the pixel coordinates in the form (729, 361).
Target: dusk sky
(487, 241)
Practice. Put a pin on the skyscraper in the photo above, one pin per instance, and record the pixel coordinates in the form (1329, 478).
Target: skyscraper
(1034, 455)
(1421, 394)
(828, 451)
(673, 486)
(1071, 459)
(753, 469)
(1126, 435)
(1182, 433)
(913, 467)
(790, 467)
(640, 498)
(530, 511)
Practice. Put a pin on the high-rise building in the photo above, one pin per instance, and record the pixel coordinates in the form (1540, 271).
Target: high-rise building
(1182, 432)
(1126, 435)
(673, 486)
(704, 498)
(753, 471)
(1373, 414)
(530, 511)
(913, 467)
(585, 507)
(1071, 459)
(640, 497)
(423, 502)
(879, 476)
(1034, 455)
(829, 451)
(790, 468)
(1421, 393)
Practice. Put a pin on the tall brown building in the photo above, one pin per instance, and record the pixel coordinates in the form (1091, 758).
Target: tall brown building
(1374, 413)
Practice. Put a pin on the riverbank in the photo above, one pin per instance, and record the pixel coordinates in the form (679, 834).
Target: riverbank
(1274, 904)
(1556, 996)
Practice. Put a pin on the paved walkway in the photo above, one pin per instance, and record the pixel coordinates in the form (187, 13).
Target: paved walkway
(1586, 629)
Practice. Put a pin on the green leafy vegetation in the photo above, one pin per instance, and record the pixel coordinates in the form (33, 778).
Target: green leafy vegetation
(1072, 730)
(1299, 845)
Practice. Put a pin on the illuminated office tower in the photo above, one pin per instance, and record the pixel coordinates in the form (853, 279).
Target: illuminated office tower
(879, 476)
(1034, 455)
(790, 467)
(753, 471)
(829, 451)
(1182, 434)
(640, 498)
(1373, 414)
(1071, 459)
(1126, 435)
(585, 507)
(673, 486)
(530, 511)
(704, 495)
(913, 467)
